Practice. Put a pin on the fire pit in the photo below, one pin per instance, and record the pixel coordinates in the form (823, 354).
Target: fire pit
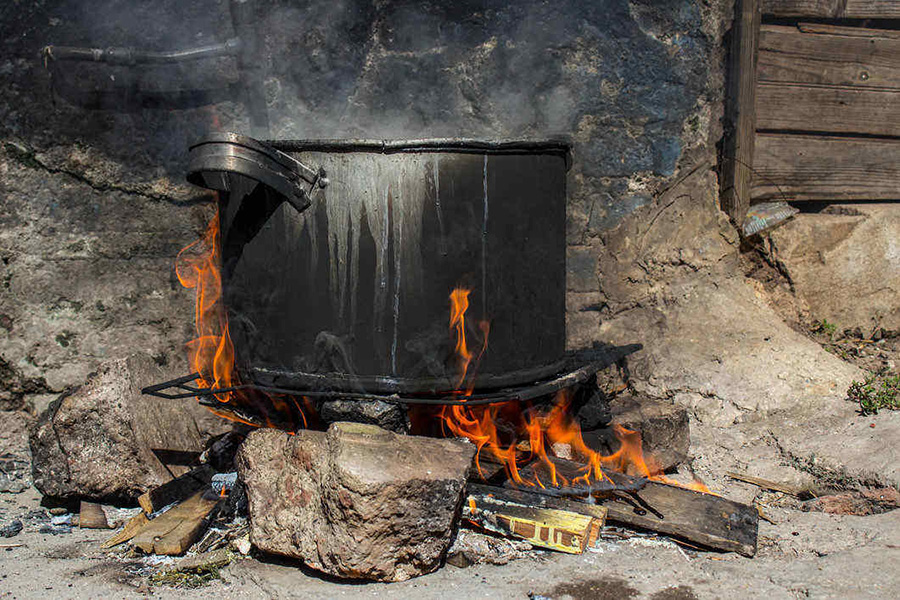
(426, 275)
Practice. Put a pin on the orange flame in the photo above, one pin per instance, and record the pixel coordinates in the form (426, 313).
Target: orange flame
(211, 353)
(543, 431)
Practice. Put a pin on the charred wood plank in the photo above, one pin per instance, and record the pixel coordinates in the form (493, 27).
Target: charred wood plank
(705, 519)
(177, 489)
(537, 500)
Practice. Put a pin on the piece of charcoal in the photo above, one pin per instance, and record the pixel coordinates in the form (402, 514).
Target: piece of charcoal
(11, 529)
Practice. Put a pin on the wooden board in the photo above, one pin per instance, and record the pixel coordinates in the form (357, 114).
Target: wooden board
(865, 32)
(740, 111)
(134, 526)
(705, 519)
(709, 520)
(91, 516)
(177, 489)
(833, 9)
(175, 530)
(804, 167)
(513, 495)
(830, 109)
(841, 56)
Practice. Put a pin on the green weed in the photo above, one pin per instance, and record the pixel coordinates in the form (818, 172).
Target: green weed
(825, 327)
(877, 392)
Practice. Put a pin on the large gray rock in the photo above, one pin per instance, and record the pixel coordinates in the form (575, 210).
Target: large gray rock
(357, 501)
(845, 264)
(98, 441)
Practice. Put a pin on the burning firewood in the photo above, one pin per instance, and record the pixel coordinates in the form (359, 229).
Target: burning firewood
(702, 518)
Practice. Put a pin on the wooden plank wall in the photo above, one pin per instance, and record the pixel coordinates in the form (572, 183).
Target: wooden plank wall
(827, 103)
(833, 9)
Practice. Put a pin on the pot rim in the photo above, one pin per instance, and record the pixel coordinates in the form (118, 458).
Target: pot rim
(428, 145)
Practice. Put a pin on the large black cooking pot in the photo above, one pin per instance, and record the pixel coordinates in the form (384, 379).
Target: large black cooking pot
(346, 285)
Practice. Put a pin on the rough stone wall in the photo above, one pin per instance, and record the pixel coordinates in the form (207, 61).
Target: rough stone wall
(93, 208)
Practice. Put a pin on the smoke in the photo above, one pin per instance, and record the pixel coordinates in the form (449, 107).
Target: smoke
(619, 77)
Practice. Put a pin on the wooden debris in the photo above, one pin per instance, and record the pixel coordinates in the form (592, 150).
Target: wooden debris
(91, 516)
(177, 489)
(132, 527)
(541, 501)
(553, 528)
(705, 519)
(175, 530)
(767, 484)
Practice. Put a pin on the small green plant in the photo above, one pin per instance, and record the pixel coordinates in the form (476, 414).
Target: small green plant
(877, 392)
(186, 579)
(825, 327)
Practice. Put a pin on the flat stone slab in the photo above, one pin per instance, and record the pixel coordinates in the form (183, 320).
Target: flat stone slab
(357, 501)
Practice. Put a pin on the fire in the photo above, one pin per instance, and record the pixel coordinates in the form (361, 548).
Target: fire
(502, 433)
(544, 431)
(211, 352)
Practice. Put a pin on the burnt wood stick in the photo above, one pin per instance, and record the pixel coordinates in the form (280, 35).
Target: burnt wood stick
(705, 519)
(177, 489)
(767, 484)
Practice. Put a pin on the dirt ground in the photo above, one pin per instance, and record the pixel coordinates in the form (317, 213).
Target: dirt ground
(766, 393)
(806, 555)
(801, 555)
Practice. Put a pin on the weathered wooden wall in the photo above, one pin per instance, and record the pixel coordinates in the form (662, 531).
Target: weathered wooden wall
(826, 119)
